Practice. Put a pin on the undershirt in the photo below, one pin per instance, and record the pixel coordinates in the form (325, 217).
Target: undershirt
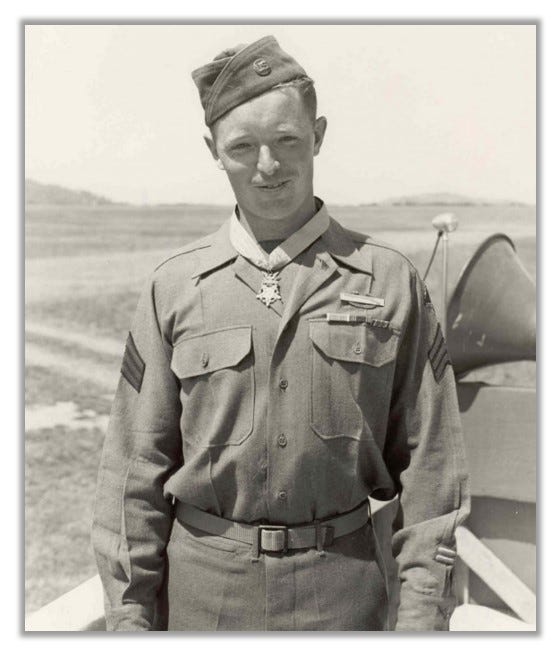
(270, 245)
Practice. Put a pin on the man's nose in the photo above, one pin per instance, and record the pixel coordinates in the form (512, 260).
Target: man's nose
(266, 163)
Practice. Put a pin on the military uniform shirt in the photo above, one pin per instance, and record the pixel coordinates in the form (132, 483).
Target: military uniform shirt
(282, 415)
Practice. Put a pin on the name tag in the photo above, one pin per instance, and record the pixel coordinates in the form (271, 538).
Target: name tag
(362, 299)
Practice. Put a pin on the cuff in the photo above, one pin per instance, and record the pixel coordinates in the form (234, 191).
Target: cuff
(128, 618)
(419, 612)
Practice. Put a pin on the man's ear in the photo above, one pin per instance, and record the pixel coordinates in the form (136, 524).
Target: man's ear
(212, 147)
(319, 131)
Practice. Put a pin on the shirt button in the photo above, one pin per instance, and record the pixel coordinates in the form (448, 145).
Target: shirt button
(282, 440)
(204, 359)
(357, 348)
(283, 383)
(282, 495)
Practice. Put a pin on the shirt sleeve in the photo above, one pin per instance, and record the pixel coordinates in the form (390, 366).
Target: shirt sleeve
(425, 455)
(132, 517)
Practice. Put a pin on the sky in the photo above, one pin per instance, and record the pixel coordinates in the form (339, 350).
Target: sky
(411, 109)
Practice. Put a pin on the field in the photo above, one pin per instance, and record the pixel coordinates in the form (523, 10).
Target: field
(84, 268)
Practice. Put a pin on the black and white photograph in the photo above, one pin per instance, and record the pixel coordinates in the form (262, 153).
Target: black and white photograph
(280, 326)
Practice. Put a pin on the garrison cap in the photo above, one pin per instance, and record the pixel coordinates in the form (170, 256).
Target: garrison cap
(241, 73)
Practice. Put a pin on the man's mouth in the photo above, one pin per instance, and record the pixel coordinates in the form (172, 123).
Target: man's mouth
(272, 186)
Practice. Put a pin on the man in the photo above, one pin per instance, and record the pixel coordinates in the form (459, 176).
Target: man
(278, 373)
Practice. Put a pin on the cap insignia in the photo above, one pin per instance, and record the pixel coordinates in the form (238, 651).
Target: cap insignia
(262, 67)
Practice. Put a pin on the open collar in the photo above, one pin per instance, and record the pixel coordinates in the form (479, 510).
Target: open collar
(334, 241)
(287, 250)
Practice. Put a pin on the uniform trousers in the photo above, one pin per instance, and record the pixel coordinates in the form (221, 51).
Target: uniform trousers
(212, 585)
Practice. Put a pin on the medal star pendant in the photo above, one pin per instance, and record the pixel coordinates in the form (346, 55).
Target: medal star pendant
(270, 289)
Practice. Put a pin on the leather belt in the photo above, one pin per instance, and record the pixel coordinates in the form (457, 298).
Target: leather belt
(275, 538)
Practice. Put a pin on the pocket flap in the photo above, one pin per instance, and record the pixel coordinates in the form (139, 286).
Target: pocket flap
(207, 352)
(364, 343)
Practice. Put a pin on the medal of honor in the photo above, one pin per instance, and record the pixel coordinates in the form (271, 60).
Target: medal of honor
(270, 289)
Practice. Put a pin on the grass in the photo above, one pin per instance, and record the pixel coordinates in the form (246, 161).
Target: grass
(61, 468)
(103, 314)
(45, 387)
(60, 475)
(53, 231)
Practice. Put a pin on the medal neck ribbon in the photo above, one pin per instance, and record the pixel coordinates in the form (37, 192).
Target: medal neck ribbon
(284, 253)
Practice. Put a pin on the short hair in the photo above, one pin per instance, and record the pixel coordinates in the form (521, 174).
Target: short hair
(306, 88)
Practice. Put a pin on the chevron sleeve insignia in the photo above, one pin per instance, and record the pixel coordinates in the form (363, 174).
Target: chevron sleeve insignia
(438, 356)
(133, 366)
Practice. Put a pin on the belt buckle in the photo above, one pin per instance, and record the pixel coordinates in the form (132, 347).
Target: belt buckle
(273, 529)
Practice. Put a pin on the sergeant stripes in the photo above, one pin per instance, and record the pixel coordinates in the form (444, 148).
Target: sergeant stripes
(439, 358)
(133, 366)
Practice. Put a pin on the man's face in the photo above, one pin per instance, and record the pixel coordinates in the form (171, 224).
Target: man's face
(266, 147)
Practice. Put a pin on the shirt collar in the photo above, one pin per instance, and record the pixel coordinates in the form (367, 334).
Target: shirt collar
(344, 249)
(334, 239)
(284, 252)
(218, 253)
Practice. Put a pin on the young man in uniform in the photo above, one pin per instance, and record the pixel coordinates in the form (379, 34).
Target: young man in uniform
(278, 373)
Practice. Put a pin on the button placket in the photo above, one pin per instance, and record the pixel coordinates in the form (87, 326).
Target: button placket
(278, 482)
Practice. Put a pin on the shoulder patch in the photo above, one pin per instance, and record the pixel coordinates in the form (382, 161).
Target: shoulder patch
(438, 356)
(133, 366)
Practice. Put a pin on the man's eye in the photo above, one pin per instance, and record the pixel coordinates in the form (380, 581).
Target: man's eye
(288, 140)
(240, 147)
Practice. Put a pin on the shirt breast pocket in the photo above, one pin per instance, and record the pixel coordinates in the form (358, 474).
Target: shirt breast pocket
(216, 371)
(351, 374)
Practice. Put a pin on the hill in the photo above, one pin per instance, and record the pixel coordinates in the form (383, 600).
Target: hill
(40, 193)
(444, 199)
(53, 195)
